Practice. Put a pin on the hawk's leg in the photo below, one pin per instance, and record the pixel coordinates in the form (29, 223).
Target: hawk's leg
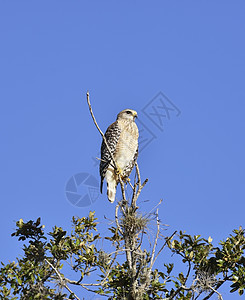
(118, 170)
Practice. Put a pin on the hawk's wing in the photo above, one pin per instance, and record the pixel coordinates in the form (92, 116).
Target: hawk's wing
(112, 135)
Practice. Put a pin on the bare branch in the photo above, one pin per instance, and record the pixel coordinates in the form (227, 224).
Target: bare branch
(182, 287)
(147, 282)
(122, 188)
(188, 272)
(130, 185)
(217, 286)
(155, 243)
(219, 295)
(62, 280)
(100, 131)
(138, 173)
(138, 184)
(148, 213)
(116, 218)
(163, 246)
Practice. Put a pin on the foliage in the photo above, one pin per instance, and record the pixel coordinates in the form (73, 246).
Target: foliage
(40, 273)
(32, 275)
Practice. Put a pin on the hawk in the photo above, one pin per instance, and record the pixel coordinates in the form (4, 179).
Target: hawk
(122, 138)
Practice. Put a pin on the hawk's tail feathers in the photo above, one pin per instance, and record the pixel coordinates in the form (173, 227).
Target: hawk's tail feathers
(111, 190)
(101, 185)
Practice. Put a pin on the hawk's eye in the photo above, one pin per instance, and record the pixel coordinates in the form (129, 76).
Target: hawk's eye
(128, 112)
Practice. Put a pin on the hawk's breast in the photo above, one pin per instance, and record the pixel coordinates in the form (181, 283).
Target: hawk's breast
(127, 144)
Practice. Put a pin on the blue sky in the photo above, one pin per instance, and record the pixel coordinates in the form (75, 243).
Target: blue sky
(124, 53)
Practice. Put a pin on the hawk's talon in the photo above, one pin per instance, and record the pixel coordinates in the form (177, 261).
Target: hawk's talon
(125, 179)
(118, 170)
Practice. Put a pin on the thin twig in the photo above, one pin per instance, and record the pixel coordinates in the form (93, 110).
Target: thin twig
(163, 246)
(219, 295)
(188, 272)
(130, 185)
(122, 188)
(101, 283)
(116, 218)
(62, 280)
(120, 250)
(100, 131)
(138, 184)
(138, 173)
(182, 287)
(217, 286)
(147, 282)
(148, 213)
(155, 243)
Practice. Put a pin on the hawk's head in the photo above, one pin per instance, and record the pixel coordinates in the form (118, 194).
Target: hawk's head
(128, 114)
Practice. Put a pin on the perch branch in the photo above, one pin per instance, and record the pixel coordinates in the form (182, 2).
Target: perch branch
(100, 131)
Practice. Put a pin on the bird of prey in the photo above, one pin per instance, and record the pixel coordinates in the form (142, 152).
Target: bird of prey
(122, 138)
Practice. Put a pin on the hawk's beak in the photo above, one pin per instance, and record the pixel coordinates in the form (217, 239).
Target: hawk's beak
(135, 115)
